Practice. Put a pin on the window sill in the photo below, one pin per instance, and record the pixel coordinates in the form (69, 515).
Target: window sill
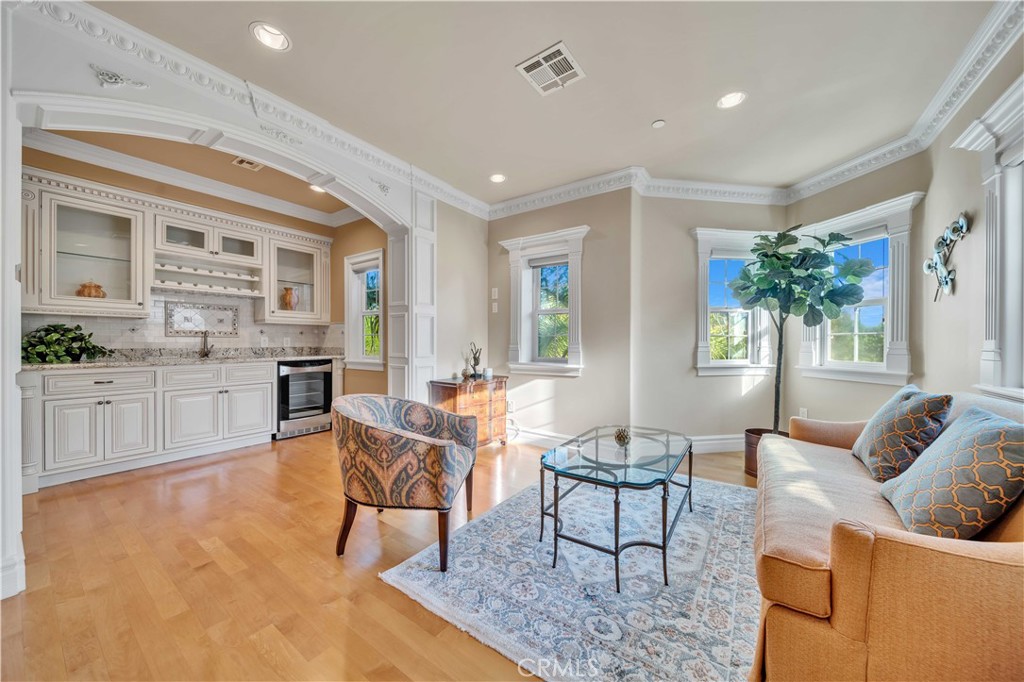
(1003, 392)
(545, 369)
(734, 370)
(367, 365)
(867, 376)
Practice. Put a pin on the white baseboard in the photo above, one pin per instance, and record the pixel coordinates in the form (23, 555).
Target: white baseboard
(702, 445)
(12, 572)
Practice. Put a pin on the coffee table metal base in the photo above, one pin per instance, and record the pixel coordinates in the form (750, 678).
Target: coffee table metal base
(667, 530)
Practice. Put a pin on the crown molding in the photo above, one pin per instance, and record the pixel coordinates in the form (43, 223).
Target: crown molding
(710, 191)
(581, 189)
(1001, 120)
(100, 156)
(881, 157)
(68, 183)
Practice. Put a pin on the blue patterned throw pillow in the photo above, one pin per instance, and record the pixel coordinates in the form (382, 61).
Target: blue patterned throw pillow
(900, 431)
(965, 480)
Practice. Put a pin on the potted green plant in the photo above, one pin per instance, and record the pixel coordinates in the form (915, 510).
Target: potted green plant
(787, 280)
(59, 344)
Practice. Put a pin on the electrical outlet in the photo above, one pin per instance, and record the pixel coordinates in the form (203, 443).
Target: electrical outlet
(264, 341)
(494, 293)
(494, 307)
(287, 342)
(510, 405)
(803, 412)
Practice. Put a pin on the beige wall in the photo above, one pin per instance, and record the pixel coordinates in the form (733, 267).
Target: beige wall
(669, 393)
(463, 308)
(601, 394)
(358, 237)
(945, 336)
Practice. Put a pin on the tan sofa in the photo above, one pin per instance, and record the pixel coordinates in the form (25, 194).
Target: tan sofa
(849, 594)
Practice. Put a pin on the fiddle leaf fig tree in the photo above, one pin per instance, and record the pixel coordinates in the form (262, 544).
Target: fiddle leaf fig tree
(788, 280)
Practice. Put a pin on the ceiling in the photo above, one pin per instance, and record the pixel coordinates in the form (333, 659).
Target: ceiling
(213, 164)
(435, 84)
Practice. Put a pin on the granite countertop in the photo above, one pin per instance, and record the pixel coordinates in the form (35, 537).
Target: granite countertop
(159, 357)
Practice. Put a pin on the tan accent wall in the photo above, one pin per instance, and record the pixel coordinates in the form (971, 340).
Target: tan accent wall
(88, 171)
(668, 392)
(358, 237)
(463, 306)
(601, 395)
(945, 336)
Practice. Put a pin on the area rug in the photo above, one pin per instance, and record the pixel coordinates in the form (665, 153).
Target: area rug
(568, 623)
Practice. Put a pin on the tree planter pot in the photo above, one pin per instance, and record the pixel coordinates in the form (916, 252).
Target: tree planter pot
(751, 437)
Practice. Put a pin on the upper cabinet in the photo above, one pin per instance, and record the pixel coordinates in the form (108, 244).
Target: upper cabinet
(208, 242)
(300, 288)
(92, 256)
(89, 249)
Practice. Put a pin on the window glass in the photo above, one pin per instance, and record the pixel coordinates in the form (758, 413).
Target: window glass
(553, 312)
(371, 313)
(858, 335)
(729, 325)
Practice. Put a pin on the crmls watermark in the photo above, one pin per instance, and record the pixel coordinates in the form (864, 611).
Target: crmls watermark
(548, 668)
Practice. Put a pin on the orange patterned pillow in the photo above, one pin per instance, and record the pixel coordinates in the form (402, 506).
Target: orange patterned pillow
(965, 480)
(900, 431)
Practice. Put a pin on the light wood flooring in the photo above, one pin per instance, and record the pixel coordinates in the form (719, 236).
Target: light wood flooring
(223, 567)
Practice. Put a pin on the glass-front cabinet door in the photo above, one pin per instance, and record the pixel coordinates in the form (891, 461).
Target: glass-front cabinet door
(237, 247)
(92, 256)
(178, 236)
(297, 291)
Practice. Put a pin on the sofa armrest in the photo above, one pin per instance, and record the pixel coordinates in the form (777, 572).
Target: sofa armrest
(927, 606)
(834, 434)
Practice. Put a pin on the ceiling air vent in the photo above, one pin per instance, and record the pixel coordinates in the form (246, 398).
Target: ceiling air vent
(246, 164)
(552, 69)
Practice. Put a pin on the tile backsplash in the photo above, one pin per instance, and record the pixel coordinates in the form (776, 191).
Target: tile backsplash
(118, 332)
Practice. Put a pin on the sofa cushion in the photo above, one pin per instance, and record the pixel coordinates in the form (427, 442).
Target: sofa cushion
(803, 488)
(900, 431)
(965, 480)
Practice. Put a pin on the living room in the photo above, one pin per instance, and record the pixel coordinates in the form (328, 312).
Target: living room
(552, 286)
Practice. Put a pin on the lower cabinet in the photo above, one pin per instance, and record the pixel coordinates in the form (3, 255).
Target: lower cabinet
(91, 430)
(193, 417)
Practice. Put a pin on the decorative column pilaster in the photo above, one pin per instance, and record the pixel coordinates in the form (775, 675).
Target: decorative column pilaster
(897, 320)
(991, 350)
(703, 332)
(575, 352)
(31, 430)
(515, 292)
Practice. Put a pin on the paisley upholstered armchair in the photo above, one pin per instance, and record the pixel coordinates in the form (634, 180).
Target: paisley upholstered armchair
(402, 454)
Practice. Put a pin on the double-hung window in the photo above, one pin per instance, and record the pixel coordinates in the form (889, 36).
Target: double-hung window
(364, 310)
(869, 342)
(730, 340)
(545, 303)
(551, 311)
(858, 334)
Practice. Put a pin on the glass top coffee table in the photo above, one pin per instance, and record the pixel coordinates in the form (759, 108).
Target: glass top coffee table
(619, 457)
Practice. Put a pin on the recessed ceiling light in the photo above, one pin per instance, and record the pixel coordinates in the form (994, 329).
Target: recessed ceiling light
(658, 124)
(731, 100)
(497, 177)
(317, 189)
(271, 36)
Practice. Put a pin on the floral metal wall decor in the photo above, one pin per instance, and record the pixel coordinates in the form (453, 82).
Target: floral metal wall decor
(937, 264)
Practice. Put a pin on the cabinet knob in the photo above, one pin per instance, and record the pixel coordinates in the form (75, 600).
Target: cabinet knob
(140, 304)
(216, 253)
(107, 402)
(99, 402)
(211, 253)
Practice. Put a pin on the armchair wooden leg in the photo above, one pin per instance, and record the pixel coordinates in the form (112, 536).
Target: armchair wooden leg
(469, 490)
(442, 538)
(346, 526)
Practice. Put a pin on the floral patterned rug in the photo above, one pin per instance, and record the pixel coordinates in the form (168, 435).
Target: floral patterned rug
(568, 623)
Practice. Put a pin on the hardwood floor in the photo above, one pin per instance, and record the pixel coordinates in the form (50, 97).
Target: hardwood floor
(223, 567)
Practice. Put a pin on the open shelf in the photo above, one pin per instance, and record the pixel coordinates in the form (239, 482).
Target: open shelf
(184, 269)
(205, 288)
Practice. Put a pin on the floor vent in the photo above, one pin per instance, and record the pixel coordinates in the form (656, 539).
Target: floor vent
(551, 70)
(246, 164)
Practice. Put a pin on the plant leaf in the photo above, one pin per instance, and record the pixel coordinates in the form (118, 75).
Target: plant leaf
(846, 294)
(813, 317)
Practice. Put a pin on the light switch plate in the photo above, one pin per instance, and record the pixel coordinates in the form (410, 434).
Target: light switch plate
(264, 341)
(287, 342)
(494, 293)
(494, 307)
(803, 412)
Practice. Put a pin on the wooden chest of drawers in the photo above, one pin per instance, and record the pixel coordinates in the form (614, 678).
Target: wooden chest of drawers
(481, 398)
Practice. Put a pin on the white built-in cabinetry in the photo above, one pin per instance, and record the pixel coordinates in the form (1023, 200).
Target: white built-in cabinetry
(88, 422)
(76, 231)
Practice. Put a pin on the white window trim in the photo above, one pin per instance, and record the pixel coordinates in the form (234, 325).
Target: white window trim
(890, 219)
(999, 136)
(734, 244)
(566, 244)
(355, 265)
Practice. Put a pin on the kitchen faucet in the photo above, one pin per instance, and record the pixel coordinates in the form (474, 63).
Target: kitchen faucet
(206, 348)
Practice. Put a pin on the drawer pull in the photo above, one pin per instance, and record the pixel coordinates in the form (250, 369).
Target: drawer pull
(108, 381)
